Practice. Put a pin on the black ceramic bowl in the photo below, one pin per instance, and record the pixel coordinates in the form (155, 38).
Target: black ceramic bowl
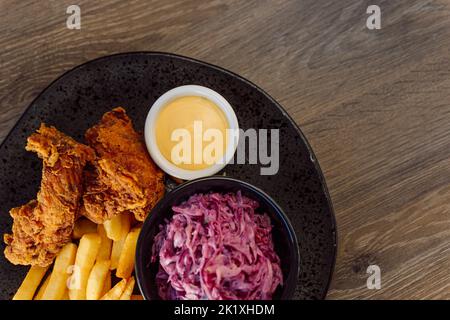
(285, 240)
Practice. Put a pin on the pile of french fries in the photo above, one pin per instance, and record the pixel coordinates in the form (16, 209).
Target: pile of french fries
(84, 268)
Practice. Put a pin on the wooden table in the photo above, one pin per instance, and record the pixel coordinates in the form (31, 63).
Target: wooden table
(374, 104)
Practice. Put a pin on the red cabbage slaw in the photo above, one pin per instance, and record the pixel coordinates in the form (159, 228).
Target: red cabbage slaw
(216, 247)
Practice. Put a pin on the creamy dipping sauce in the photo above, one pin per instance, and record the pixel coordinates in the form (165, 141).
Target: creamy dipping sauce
(183, 124)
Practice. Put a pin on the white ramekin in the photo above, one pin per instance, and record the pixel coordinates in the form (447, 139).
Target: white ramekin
(150, 135)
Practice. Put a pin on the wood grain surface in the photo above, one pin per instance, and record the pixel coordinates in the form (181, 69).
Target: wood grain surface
(374, 104)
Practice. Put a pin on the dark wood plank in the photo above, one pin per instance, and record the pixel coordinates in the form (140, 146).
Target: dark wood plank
(373, 104)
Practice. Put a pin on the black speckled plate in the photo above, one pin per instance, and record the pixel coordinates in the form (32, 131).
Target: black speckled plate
(77, 100)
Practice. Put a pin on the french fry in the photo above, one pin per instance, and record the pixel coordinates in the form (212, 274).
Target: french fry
(115, 253)
(126, 261)
(66, 295)
(96, 281)
(136, 297)
(126, 224)
(116, 292)
(30, 283)
(107, 285)
(58, 278)
(104, 252)
(41, 291)
(117, 226)
(113, 227)
(84, 261)
(83, 226)
(118, 245)
(126, 295)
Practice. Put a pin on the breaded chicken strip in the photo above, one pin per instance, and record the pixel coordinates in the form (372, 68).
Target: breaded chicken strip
(43, 226)
(123, 177)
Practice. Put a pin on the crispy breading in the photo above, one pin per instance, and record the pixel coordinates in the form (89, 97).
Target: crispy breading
(123, 177)
(43, 226)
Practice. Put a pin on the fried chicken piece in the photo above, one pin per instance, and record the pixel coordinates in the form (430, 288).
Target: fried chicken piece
(43, 226)
(123, 177)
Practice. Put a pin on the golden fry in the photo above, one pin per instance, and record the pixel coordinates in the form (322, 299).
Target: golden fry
(115, 253)
(84, 261)
(97, 279)
(126, 261)
(30, 283)
(66, 295)
(104, 253)
(118, 245)
(126, 295)
(107, 285)
(41, 291)
(117, 226)
(116, 292)
(58, 278)
(136, 297)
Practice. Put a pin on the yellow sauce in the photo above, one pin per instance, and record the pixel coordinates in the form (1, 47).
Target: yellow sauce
(194, 116)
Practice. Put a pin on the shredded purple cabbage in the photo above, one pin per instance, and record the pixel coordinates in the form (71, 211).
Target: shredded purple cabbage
(216, 247)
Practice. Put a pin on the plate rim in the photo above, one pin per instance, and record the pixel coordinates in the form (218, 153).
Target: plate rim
(316, 163)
